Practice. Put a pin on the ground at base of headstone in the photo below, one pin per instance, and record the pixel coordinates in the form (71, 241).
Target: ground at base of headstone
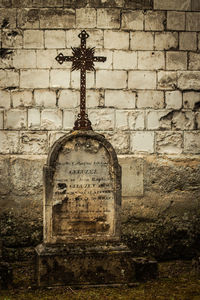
(176, 280)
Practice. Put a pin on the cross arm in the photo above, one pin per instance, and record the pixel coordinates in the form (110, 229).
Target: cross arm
(99, 58)
(61, 58)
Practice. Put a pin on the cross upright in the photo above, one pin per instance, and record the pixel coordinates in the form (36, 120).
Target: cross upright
(83, 59)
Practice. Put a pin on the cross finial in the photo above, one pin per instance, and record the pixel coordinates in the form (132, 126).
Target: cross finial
(83, 59)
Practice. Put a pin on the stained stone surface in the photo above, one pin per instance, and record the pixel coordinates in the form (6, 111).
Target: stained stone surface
(82, 190)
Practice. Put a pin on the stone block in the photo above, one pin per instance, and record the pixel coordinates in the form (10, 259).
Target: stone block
(94, 98)
(68, 119)
(86, 18)
(121, 120)
(8, 17)
(148, 60)
(166, 40)
(75, 80)
(51, 119)
(9, 142)
(23, 59)
(154, 20)
(158, 120)
(34, 78)
(68, 99)
(5, 3)
(34, 142)
(116, 40)
(169, 142)
(108, 64)
(12, 39)
(183, 120)
(45, 98)
(195, 5)
(119, 79)
(135, 4)
(126, 60)
(132, 20)
(54, 39)
(142, 142)
(132, 176)
(22, 98)
(46, 59)
(28, 18)
(173, 100)
(34, 118)
(1, 118)
(4, 99)
(187, 41)
(141, 40)
(189, 80)
(108, 18)
(199, 41)
(95, 38)
(119, 140)
(142, 80)
(33, 39)
(150, 99)
(120, 99)
(194, 61)
(176, 60)
(172, 5)
(57, 18)
(102, 119)
(191, 100)
(192, 142)
(175, 20)
(9, 78)
(193, 21)
(60, 78)
(167, 80)
(136, 120)
(26, 174)
(16, 119)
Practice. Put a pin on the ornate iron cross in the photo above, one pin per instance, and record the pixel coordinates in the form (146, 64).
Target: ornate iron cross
(83, 59)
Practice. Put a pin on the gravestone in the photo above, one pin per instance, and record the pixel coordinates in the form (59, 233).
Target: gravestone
(82, 201)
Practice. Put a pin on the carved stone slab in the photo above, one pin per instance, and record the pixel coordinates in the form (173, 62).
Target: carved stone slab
(82, 190)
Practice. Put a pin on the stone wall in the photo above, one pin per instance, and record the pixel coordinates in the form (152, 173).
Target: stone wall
(145, 99)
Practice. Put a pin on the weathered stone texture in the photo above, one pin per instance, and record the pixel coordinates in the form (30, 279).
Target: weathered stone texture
(148, 60)
(28, 18)
(116, 40)
(169, 142)
(150, 99)
(194, 61)
(60, 78)
(120, 99)
(141, 40)
(142, 142)
(175, 20)
(102, 119)
(188, 41)
(9, 142)
(16, 119)
(22, 98)
(193, 21)
(86, 18)
(132, 20)
(57, 18)
(33, 39)
(34, 118)
(192, 142)
(34, 142)
(4, 99)
(173, 100)
(34, 78)
(172, 5)
(176, 60)
(191, 100)
(119, 79)
(107, 18)
(45, 98)
(142, 80)
(154, 21)
(166, 40)
(167, 80)
(54, 39)
(9, 78)
(189, 80)
(51, 119)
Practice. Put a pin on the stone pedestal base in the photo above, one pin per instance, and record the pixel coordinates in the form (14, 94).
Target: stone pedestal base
(77, 264)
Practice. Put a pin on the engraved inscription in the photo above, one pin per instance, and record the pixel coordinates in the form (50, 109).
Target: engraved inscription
(83, 197)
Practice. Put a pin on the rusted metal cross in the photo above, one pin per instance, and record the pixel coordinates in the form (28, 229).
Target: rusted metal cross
(83, 59)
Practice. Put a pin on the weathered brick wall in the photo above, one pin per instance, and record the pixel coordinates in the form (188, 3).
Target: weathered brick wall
(145, 98)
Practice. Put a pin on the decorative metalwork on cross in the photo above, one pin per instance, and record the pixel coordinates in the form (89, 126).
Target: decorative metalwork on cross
(83, 59)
